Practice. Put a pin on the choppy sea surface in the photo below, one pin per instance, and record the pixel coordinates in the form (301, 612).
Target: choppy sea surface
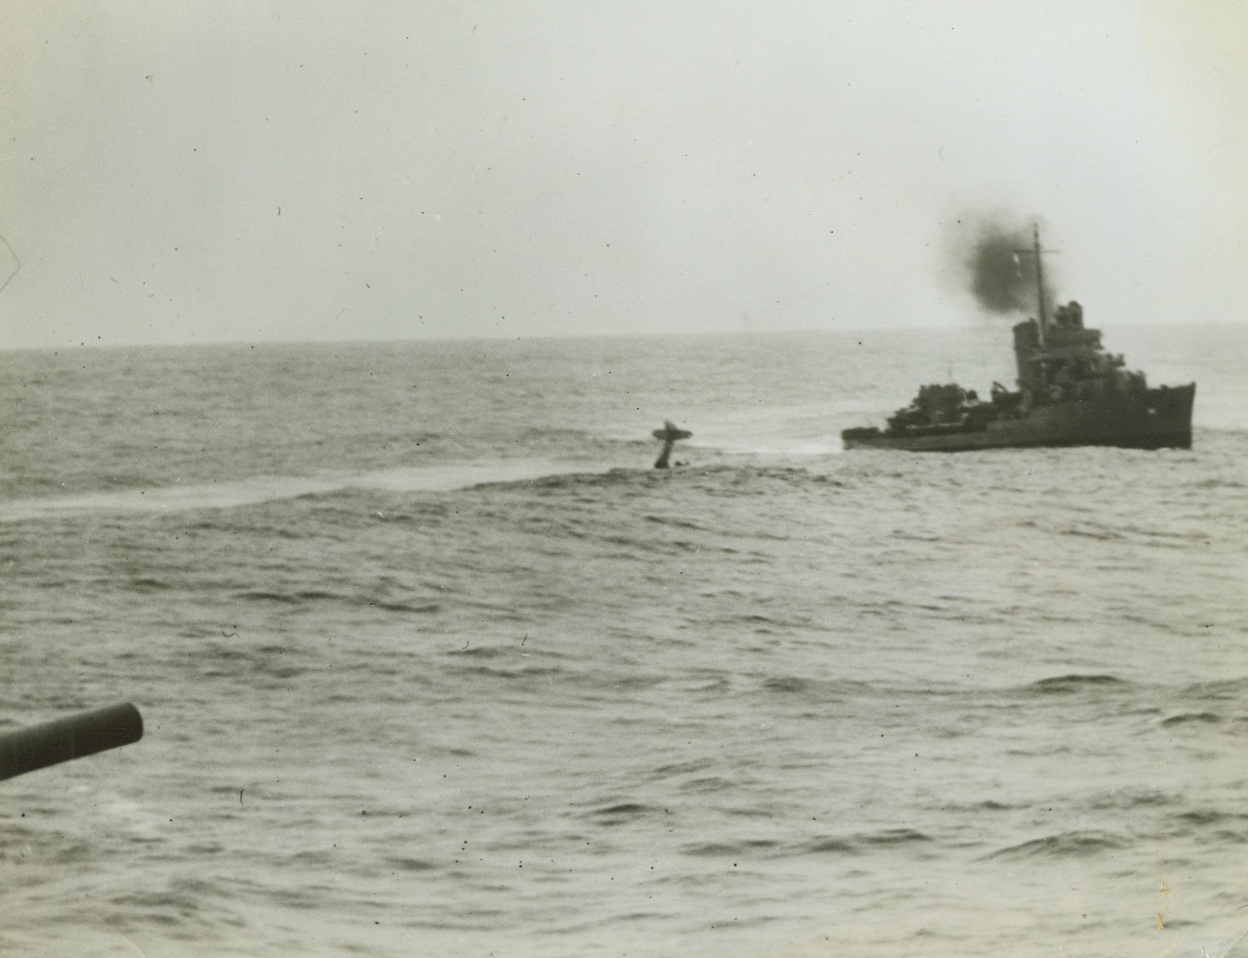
(431, 662)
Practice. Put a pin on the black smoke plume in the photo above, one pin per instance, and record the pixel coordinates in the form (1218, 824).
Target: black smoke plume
(997, 263)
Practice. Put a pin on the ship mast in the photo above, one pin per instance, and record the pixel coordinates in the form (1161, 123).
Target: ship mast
(1043, 318)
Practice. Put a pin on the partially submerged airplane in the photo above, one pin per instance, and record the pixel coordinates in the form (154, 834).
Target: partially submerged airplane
(669, 434)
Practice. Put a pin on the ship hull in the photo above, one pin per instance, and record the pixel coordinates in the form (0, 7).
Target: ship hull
(1155, 419)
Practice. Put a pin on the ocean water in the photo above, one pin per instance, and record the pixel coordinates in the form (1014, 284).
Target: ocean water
(431, 662)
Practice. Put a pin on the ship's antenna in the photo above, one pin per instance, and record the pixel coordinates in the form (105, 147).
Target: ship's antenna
(1036, 251)
(1043, 317)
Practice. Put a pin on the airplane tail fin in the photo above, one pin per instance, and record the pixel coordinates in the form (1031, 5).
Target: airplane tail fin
(669, 434)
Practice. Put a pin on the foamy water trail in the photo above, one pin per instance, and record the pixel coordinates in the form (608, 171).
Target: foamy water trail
(783, 431)
(771, 446)
(244, 492)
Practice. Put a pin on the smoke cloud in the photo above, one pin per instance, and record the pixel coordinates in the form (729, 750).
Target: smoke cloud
(995, 262)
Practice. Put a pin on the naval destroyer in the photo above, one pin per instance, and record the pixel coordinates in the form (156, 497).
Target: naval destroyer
(1071, 392)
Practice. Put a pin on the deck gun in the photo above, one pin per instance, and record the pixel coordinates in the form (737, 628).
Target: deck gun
(38, 746)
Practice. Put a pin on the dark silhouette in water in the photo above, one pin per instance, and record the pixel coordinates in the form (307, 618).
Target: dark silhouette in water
(669, 434)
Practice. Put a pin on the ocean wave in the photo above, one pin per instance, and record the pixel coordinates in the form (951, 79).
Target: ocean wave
(988, 805)
(518, 674)
(828, 846)
(135, 496)
(1219, 689)
(709, 785)
(678, 523)
(738, 849)
(1211, 816)
(1138, 535)
(404, 863)
(1127, 798)
(1104, 534)
(144, 584)
(354, 599)
(1078, 844)
(892, 836)
(788, 683)
(1208, 827)
(718, 479)
(1075, 682)
(1189, 718)
(170, 908)
(820, 845)
(623, 813)
(492, 651)
(682, 768)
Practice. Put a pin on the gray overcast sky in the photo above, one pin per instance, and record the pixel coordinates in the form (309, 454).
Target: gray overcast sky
(227, 171)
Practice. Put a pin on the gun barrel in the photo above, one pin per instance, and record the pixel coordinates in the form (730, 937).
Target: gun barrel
(39, 746)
